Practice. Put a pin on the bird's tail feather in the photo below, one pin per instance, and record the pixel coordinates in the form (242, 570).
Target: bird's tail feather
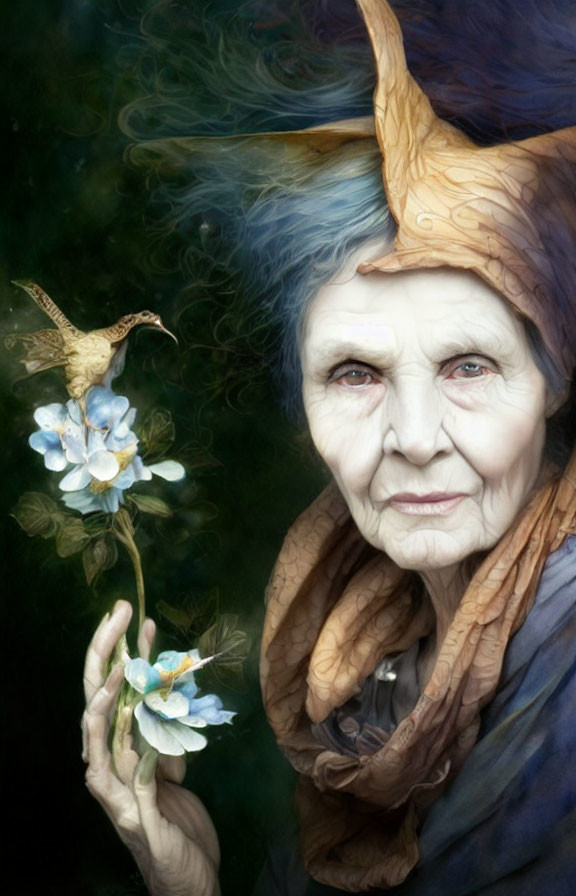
(46, 304)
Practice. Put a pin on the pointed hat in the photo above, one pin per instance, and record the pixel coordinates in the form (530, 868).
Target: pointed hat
(506, 212)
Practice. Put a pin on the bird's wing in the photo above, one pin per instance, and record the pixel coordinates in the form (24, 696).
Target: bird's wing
(116, 364)
(41, 350)
(48, 306)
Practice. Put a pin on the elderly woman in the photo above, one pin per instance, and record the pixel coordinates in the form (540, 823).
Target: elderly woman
(418, 652)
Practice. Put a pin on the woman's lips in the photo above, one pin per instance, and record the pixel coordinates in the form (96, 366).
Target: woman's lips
(434, 504)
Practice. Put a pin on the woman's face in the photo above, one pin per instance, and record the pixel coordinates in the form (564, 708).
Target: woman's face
(424, 401)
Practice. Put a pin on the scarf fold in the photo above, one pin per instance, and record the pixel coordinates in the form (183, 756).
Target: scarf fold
(336, 608)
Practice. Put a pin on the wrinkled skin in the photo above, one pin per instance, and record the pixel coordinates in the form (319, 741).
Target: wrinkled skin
(424, 400)
(165, 826)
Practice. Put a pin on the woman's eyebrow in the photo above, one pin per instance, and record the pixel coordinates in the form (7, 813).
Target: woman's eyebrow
(479, 342)
(339, 350)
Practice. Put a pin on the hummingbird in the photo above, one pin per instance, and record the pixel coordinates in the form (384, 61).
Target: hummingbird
(88, 359)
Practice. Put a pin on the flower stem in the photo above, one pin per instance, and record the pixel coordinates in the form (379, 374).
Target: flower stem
(124, 532)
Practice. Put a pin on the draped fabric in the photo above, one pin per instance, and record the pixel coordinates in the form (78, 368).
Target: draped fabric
(336, 608)
(506, 825)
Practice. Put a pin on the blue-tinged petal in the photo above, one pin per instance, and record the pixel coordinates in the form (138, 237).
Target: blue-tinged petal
(214, 717)
(75, 412)
(54, 460)
(102, 465)
(141, 675)
(194, 722)
(210, 709)
(206, 702)
(84, 501)
(170, 470)
(157, 732)
(50, 416)
(187, 687)
(172, 706)
(121, 430)
(125, 479)
(44, 440)
(119, 407)
(142, 472)
(114, 442)
(95, 441)
(97, 395)
(219, 716)
(75, 446)
(111, 499)
(76, 479)
(104, 408)
(187, 737)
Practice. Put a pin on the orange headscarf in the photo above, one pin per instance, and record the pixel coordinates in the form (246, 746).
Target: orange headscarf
(336, 607)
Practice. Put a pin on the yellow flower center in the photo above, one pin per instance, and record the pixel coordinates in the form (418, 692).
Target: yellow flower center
(124, 458)
(169, 676)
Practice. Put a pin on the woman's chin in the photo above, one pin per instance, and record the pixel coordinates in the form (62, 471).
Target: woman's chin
(424, 552)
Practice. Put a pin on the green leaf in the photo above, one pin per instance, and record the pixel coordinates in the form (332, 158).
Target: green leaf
(229, 644)
(150, 504)
(156, 433)
(72, 537)
(180, 617)
(201, 513)
(97, 524)
(192, 614)
(37, 514)
(100, 554)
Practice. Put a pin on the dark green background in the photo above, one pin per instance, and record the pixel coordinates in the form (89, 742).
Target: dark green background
(77, 219)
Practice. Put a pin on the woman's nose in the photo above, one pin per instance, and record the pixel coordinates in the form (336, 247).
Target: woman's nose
(414, 421)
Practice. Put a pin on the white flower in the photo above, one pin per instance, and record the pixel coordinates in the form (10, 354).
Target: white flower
(170, 711)
(101, 447)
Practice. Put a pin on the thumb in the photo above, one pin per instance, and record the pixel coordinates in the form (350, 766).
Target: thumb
(146, 637)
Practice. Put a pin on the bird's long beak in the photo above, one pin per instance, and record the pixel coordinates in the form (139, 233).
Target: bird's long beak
(161, 328)
(168, 333)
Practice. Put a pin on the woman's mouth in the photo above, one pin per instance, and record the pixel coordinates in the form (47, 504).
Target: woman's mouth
(434, 504)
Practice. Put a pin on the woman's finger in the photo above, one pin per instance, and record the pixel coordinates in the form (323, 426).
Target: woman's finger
(97, 717)
(144, 788)
(102, 645)
(124, 757)
(146, 637)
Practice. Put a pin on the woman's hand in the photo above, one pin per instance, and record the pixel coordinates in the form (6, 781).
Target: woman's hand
(165, 826)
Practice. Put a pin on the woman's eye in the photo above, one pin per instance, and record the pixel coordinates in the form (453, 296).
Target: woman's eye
(470, 368)
(352, 376)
